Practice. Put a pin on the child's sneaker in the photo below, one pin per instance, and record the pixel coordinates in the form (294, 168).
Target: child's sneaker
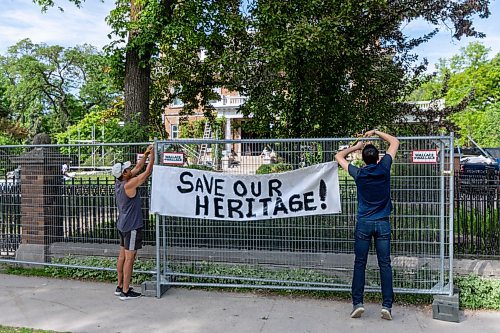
(130, 294)
(357, 310)
(385, 313)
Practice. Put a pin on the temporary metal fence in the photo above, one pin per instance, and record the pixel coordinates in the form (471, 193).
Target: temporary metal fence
(314, 253)
(57, 205)
(68, 220)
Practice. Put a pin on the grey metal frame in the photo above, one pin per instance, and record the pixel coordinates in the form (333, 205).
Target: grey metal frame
(50, 169)
(296, 248)
(191, 250)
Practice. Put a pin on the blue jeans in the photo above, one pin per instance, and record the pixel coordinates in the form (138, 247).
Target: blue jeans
(380, 230)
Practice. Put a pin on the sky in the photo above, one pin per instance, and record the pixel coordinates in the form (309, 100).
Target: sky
(23, 19)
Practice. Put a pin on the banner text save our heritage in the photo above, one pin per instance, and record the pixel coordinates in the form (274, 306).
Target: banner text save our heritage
(199, 194)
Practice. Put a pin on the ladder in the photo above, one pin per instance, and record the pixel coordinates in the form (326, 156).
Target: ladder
(207, 134)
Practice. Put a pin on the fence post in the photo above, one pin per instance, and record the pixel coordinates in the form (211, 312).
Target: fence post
(41, 216)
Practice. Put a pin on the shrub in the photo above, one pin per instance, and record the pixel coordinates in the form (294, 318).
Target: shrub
(200, 167)
(273, 168)
(478, 293)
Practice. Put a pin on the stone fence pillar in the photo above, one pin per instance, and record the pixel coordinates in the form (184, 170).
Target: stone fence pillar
(41, 202)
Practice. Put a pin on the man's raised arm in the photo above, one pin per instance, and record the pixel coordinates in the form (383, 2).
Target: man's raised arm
(132, 185)
(340, 156)
(138, 167)
(393, 141)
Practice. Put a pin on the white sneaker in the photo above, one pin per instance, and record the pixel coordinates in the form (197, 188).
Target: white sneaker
(385, 313)
(357, 311)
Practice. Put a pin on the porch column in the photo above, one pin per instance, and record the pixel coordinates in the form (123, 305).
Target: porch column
(228, 134)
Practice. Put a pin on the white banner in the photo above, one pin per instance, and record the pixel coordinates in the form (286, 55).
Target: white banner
(200, 194)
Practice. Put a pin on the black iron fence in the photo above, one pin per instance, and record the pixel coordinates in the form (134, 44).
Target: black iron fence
(477, 221)
(87, 212)
(10, 216)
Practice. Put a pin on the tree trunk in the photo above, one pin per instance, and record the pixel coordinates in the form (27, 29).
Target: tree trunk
(137, 76)
(137, 82)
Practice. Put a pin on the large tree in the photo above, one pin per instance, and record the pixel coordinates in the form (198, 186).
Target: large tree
(323, 68)
(46, 88)
(143, 29)
(173, 35)
(138, 25)
(468, 82)
(309, 68)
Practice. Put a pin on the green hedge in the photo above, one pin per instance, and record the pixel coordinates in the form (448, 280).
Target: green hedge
(478, 293)
(273, 168)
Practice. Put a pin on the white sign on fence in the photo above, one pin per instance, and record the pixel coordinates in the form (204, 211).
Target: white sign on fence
(173, 158)
(200, 194)
(424, 156)
(139, 157)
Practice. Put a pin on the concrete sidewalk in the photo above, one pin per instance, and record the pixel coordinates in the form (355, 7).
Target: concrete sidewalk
(76, 306)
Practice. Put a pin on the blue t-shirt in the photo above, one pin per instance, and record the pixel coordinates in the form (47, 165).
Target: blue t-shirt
(374, 189)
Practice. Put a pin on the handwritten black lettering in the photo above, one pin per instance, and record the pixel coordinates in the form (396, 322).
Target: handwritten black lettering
(256, 192)
(234, 206)
(185, 182)
(219, 209)
(309, 199)
(199, 205)
(274, 186)
(240, 189)
(265, 202)
(295, 204)
(279, 207)
(250, 202)
(219, 186)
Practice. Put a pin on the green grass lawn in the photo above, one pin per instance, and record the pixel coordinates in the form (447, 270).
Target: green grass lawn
(8, 329)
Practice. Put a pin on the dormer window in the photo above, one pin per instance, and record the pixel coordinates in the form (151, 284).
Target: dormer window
(176, 102)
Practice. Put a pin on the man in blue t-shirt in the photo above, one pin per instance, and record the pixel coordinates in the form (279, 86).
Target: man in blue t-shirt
(374, 208)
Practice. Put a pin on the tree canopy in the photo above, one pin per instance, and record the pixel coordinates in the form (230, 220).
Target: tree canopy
(309, 68)
(47, 88)
(469, 82)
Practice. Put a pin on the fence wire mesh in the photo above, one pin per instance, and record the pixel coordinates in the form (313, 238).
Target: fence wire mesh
(312, 252)
(53, 217)
(57, 204)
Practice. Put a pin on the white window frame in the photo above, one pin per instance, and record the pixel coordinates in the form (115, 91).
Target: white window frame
(174, 131)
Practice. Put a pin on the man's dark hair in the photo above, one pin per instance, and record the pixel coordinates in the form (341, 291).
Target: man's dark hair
(370, 154)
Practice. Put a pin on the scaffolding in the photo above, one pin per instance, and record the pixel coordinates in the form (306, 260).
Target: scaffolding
(98, 152)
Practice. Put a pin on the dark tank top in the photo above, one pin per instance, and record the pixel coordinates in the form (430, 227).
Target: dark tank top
(129, 209)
